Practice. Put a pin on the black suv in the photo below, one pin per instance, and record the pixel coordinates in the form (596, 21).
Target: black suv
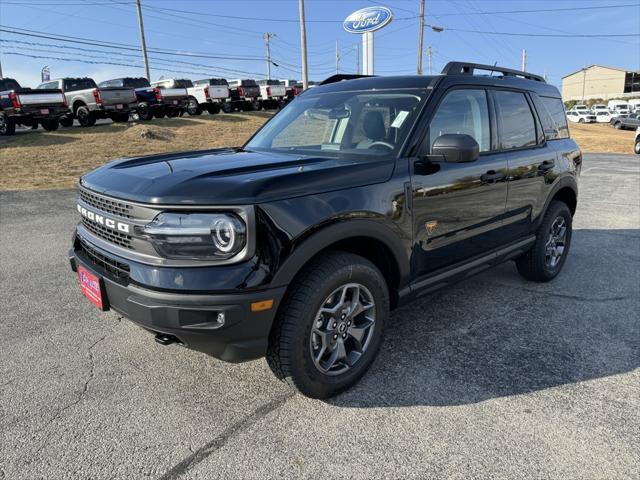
(357, 197)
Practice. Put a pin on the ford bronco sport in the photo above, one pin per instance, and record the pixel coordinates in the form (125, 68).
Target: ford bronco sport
(357, 197)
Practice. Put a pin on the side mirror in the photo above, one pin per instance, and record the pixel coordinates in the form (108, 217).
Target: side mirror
(455, 148)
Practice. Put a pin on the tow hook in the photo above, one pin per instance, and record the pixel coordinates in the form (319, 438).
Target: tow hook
(164, 339)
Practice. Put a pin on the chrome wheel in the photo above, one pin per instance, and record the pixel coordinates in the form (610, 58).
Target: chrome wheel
(556, 242)
(342, 329)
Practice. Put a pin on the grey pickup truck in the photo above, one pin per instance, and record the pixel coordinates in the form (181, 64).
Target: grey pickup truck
(88, 103)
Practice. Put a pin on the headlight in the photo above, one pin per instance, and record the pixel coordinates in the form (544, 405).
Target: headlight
(197, 236)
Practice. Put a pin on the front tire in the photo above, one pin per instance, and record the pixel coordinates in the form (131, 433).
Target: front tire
(636, 148)
(549, 252)
(193, 107)
(617, 125)
(329, 327)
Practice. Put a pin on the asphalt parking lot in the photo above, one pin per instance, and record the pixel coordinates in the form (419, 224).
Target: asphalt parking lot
(494, 378)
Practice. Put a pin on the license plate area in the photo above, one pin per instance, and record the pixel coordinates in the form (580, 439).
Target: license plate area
(44, 111)
(119, 106)
(175, 102)
(92, 287)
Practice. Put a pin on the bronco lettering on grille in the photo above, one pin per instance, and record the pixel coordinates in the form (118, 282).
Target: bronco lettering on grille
(105, 221)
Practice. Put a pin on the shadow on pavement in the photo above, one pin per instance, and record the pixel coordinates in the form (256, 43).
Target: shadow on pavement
(498, 335)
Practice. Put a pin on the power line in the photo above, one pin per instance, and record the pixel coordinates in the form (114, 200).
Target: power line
(120, 46)
(92, 55)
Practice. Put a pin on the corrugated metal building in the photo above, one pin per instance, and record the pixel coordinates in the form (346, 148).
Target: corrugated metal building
(598, 81)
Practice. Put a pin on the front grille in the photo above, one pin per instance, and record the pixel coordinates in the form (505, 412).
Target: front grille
(117, 269)
(117, 238)
(113, 207)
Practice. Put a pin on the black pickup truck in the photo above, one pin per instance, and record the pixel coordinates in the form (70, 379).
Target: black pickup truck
(357, 197)
(244, 95)
(149, 98)
(24, 106)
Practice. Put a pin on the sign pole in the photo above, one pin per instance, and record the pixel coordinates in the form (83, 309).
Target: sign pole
(367, 53)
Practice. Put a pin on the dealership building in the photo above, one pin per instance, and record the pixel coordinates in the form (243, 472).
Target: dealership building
(597, 81)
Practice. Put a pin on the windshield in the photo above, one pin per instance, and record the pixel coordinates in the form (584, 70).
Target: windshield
(366, 125)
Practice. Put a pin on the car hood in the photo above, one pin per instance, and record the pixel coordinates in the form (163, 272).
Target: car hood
(230, 177)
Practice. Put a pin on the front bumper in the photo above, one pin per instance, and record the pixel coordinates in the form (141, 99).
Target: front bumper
(191, 318)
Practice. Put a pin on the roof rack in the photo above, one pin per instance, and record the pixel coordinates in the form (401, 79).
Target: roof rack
(342, 76)
(465, 68)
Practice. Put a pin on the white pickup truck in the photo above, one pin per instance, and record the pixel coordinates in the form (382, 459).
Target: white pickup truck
(272, 93)
(200, 96)
(208, 94)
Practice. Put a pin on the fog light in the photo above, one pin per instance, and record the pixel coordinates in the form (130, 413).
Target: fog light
(220, 319)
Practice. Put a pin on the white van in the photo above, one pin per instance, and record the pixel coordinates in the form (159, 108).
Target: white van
(634, 105)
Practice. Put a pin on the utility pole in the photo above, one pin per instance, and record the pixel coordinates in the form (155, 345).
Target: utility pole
(142, 40)
(524, 60)
(267, 37)
(337, 58)
(420, 37)
(429, 53)
(0, 68)
(358, 58)
(303, 45)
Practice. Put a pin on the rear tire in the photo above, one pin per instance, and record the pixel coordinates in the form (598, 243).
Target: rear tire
(321, 345)
(227, 107)
(173, 113)
(617, 125)
(214, 108)
(50, 125)
(160, 113)
(550, 250)
(636, 148)
(85, 117)
(120, 117)
(66, 121)
(7, 125)
(144, 112)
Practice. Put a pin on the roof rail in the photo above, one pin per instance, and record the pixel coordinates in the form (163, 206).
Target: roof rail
(342, 76)
(466, 68)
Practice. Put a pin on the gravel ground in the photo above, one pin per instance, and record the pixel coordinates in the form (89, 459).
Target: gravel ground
(494, 378)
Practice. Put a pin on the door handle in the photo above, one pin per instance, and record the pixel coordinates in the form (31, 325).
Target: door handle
(547, 165)
(492, 176)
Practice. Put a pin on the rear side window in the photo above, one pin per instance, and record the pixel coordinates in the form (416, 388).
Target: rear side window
(218, 81)
(517, 125)
(135, 83)
(249, 83)
(73, 84)
(556, 109)
(463, 111)
(183, 84)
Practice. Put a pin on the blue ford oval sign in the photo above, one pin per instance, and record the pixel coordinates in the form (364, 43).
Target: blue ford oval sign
(367, 19)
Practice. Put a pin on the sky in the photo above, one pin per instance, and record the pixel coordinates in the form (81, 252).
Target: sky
(193, 31)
